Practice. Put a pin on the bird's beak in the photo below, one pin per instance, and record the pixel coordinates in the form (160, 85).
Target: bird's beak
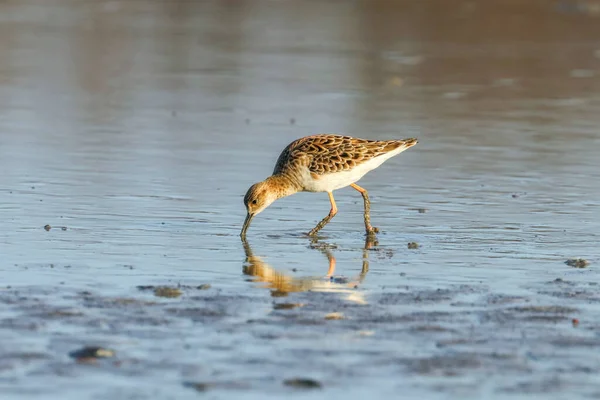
(246, 225)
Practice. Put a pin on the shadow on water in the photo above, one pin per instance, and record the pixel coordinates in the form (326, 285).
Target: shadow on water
(282, 283)
(138, 126)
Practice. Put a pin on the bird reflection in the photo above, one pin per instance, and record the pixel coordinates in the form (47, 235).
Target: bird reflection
(282, 283)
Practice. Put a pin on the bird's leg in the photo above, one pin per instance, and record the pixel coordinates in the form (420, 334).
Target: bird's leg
(371, 231)
(369, 243)
(325, 220)
(331, 260)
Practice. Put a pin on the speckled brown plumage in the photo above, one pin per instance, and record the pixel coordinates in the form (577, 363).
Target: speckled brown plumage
(326, 153)
(322, 163)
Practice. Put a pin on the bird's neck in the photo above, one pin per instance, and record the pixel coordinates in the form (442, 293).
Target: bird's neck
(283, 185)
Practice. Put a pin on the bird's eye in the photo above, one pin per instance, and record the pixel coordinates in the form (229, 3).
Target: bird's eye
(254, 201)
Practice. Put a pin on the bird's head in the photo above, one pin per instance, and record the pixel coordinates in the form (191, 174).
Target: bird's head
(257, 198)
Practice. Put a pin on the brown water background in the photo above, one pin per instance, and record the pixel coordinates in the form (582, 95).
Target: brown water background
(138, 126)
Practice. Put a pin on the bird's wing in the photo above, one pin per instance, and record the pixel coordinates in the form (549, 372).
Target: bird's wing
(324, 154)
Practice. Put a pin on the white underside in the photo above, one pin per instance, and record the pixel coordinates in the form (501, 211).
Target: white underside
(338, 180)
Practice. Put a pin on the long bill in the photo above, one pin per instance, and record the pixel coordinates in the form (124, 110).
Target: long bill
(246, 225)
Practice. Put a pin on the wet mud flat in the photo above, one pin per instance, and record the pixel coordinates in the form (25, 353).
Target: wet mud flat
(331, 336)
(130, 130)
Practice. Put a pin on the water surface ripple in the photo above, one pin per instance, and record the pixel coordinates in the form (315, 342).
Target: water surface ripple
(133, 129)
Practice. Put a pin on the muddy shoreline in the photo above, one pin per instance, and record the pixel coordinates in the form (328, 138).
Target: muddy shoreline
(130, 131)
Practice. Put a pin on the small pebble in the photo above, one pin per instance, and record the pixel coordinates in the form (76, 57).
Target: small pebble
(575, 322)
(92, 352)
(47, 227)
(577, 262)
(286, 306)
(199, 386)
(205, 386)
(303, 383)
(334, 315)
(165, 291)
(413, 245)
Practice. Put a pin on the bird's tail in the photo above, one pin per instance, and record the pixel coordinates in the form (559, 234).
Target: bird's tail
(404, 144)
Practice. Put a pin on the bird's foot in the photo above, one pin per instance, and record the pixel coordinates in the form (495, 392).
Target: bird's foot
(371, 230)
(313, 233)
(372, 233)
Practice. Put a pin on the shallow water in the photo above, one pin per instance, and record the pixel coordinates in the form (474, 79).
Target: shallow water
(138, 126)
